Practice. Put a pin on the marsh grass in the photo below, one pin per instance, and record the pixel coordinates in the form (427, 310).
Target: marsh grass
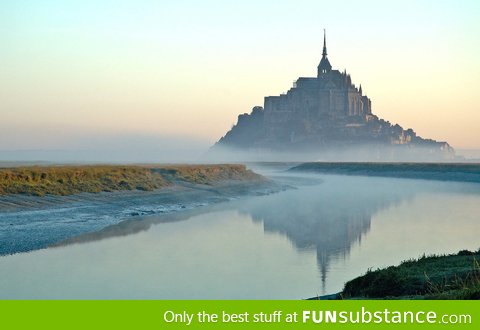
(67, 180)
(457, 287)
(462, 172)
(455, 276)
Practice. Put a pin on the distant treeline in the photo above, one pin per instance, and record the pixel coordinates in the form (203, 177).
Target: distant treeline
(67, 180)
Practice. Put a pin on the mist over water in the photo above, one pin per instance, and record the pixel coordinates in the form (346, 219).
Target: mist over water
(107, 148)
(341, 153)
(79, 146)
(295, 244)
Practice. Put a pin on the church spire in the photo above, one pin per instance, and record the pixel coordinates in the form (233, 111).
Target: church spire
(324, 65)
(324, 54)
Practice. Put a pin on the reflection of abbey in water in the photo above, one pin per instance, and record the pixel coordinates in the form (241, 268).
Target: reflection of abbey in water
(328, 218)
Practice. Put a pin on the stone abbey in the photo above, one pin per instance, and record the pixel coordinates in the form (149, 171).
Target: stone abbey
(331, 95)
(326, 114)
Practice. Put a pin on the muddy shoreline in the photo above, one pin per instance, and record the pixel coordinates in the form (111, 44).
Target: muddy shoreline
(30, 222)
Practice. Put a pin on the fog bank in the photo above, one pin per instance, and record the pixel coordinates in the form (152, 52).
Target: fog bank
(125, 148)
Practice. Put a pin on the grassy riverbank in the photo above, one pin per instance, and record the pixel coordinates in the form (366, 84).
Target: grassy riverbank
(461, 172)
(455, 276)
(68, 180)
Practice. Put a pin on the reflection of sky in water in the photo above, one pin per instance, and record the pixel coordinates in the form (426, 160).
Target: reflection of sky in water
(294, 244)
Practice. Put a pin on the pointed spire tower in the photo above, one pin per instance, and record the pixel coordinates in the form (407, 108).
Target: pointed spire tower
(324, 65)
(324, 53)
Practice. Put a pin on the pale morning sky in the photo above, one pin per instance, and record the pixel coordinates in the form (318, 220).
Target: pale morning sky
(74, 74)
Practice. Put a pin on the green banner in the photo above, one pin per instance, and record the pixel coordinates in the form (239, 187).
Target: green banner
(360, 314)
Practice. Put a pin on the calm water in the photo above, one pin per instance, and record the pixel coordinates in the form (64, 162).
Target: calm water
(295, 244)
